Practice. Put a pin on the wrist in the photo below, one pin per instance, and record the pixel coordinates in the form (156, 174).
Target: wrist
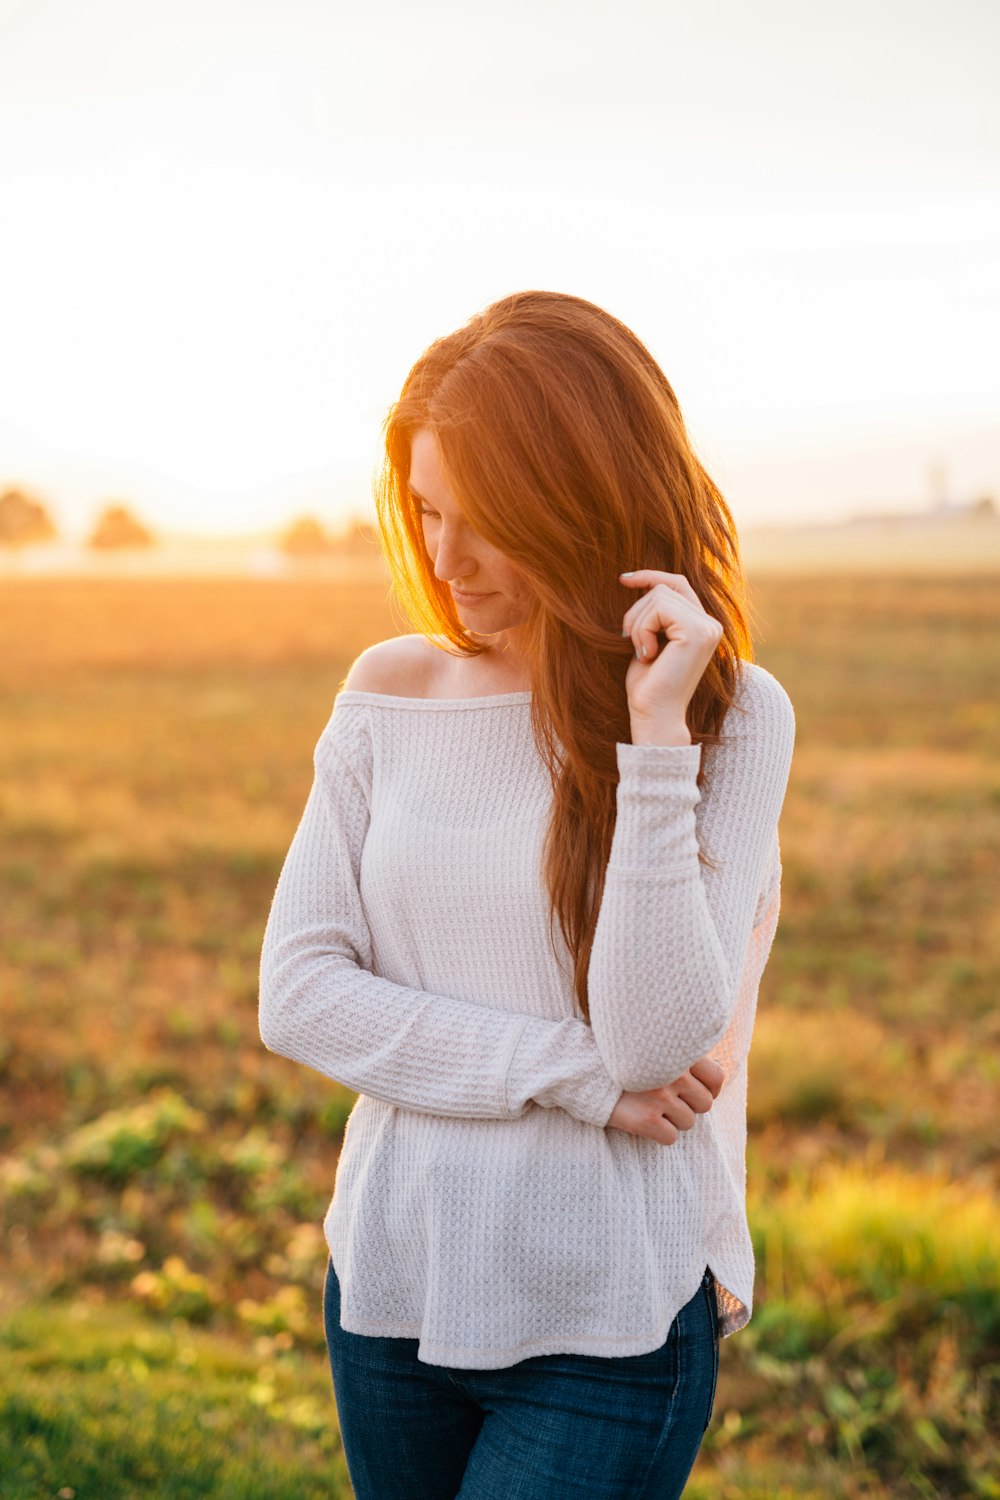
(661, 732)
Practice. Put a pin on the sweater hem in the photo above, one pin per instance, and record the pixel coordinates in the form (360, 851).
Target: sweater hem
(457, 1358)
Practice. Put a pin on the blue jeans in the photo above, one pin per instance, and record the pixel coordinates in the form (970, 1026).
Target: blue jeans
(549, 1428)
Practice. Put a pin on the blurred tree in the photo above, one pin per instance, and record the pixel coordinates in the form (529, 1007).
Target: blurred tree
(23, 520)
(360, 538)
(306, 537)
(116, 526)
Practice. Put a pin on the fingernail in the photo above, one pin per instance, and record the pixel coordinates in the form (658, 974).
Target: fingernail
(628, 574)
(624, 635)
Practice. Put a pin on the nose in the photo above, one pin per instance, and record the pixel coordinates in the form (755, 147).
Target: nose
(453, 563)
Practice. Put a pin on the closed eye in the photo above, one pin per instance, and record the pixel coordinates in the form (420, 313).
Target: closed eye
(425, 509)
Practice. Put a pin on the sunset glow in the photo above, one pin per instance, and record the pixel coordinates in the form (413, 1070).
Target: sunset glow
(228, 238)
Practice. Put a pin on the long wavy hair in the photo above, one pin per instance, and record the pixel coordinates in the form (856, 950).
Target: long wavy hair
(563, 443)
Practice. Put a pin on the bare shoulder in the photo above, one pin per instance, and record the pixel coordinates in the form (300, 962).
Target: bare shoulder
(401, 667)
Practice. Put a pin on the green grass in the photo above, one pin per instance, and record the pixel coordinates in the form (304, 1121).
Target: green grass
(97, 1401)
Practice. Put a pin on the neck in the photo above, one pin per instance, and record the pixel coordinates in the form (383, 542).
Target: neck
(501, 665)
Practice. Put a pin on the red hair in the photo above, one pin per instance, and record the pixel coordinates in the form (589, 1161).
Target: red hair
(563, 443)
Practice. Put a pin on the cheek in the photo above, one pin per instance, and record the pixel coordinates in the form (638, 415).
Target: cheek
(519, 591)
(430, 539)
(513, 582)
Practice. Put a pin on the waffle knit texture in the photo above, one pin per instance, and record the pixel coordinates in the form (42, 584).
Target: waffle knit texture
(481, 1205)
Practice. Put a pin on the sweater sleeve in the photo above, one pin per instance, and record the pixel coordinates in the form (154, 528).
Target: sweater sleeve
(672, 934)
(320, 1005)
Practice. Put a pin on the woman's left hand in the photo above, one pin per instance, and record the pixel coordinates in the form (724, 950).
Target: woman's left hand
(660, 681)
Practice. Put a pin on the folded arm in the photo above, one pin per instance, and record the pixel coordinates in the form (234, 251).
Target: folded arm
(672, 935)
(320, 1004)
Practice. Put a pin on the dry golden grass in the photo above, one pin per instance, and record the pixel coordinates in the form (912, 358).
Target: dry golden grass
(155, 758)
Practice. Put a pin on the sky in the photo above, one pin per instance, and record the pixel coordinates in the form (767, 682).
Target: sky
(231, 226)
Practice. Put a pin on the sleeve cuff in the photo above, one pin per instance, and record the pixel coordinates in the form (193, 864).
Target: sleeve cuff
(656, 800)
(557, 1064)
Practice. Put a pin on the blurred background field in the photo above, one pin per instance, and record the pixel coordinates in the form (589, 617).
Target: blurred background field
(163, 1177)
(233, 229)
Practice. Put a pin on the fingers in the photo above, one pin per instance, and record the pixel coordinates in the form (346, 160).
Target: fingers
(656, 610)
(643, 578)
(661, 1114)
(658, 1128)
(707, 1071)
(694, 1094)
(670, 603)
(678, 1112)
(700, 1086)
(642, 1114)
(644, 628)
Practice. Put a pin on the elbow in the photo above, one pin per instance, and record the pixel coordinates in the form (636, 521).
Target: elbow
(638, 1069)
(643, 1074)
(272, 1013)
(270, 1030)
(299, 990)
(270, 1034)
(291, 995)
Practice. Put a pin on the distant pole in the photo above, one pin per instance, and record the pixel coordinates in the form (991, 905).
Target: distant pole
(937, 476)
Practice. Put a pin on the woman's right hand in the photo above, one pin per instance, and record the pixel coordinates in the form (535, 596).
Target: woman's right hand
(660, 1114)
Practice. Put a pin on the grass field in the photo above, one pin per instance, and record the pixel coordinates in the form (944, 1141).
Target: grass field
(163, 1177)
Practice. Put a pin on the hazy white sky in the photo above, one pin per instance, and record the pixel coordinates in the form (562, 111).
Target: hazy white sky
(230, 226)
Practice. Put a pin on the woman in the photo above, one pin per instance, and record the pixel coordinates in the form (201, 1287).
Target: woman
(525, 916)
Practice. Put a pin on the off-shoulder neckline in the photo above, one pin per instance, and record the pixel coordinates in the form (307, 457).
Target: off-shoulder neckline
(396, 700)
(502, 700)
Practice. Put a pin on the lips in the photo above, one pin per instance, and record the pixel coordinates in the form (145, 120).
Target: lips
(466, 598)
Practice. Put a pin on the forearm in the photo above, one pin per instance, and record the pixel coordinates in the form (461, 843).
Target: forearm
(659, 986)
(428, 1052)
(322, 1006)
(673, 933)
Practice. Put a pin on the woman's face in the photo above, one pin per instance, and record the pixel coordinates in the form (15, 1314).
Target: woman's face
(489, 592)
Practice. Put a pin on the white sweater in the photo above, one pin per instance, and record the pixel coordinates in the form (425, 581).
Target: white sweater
(480, 1205)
